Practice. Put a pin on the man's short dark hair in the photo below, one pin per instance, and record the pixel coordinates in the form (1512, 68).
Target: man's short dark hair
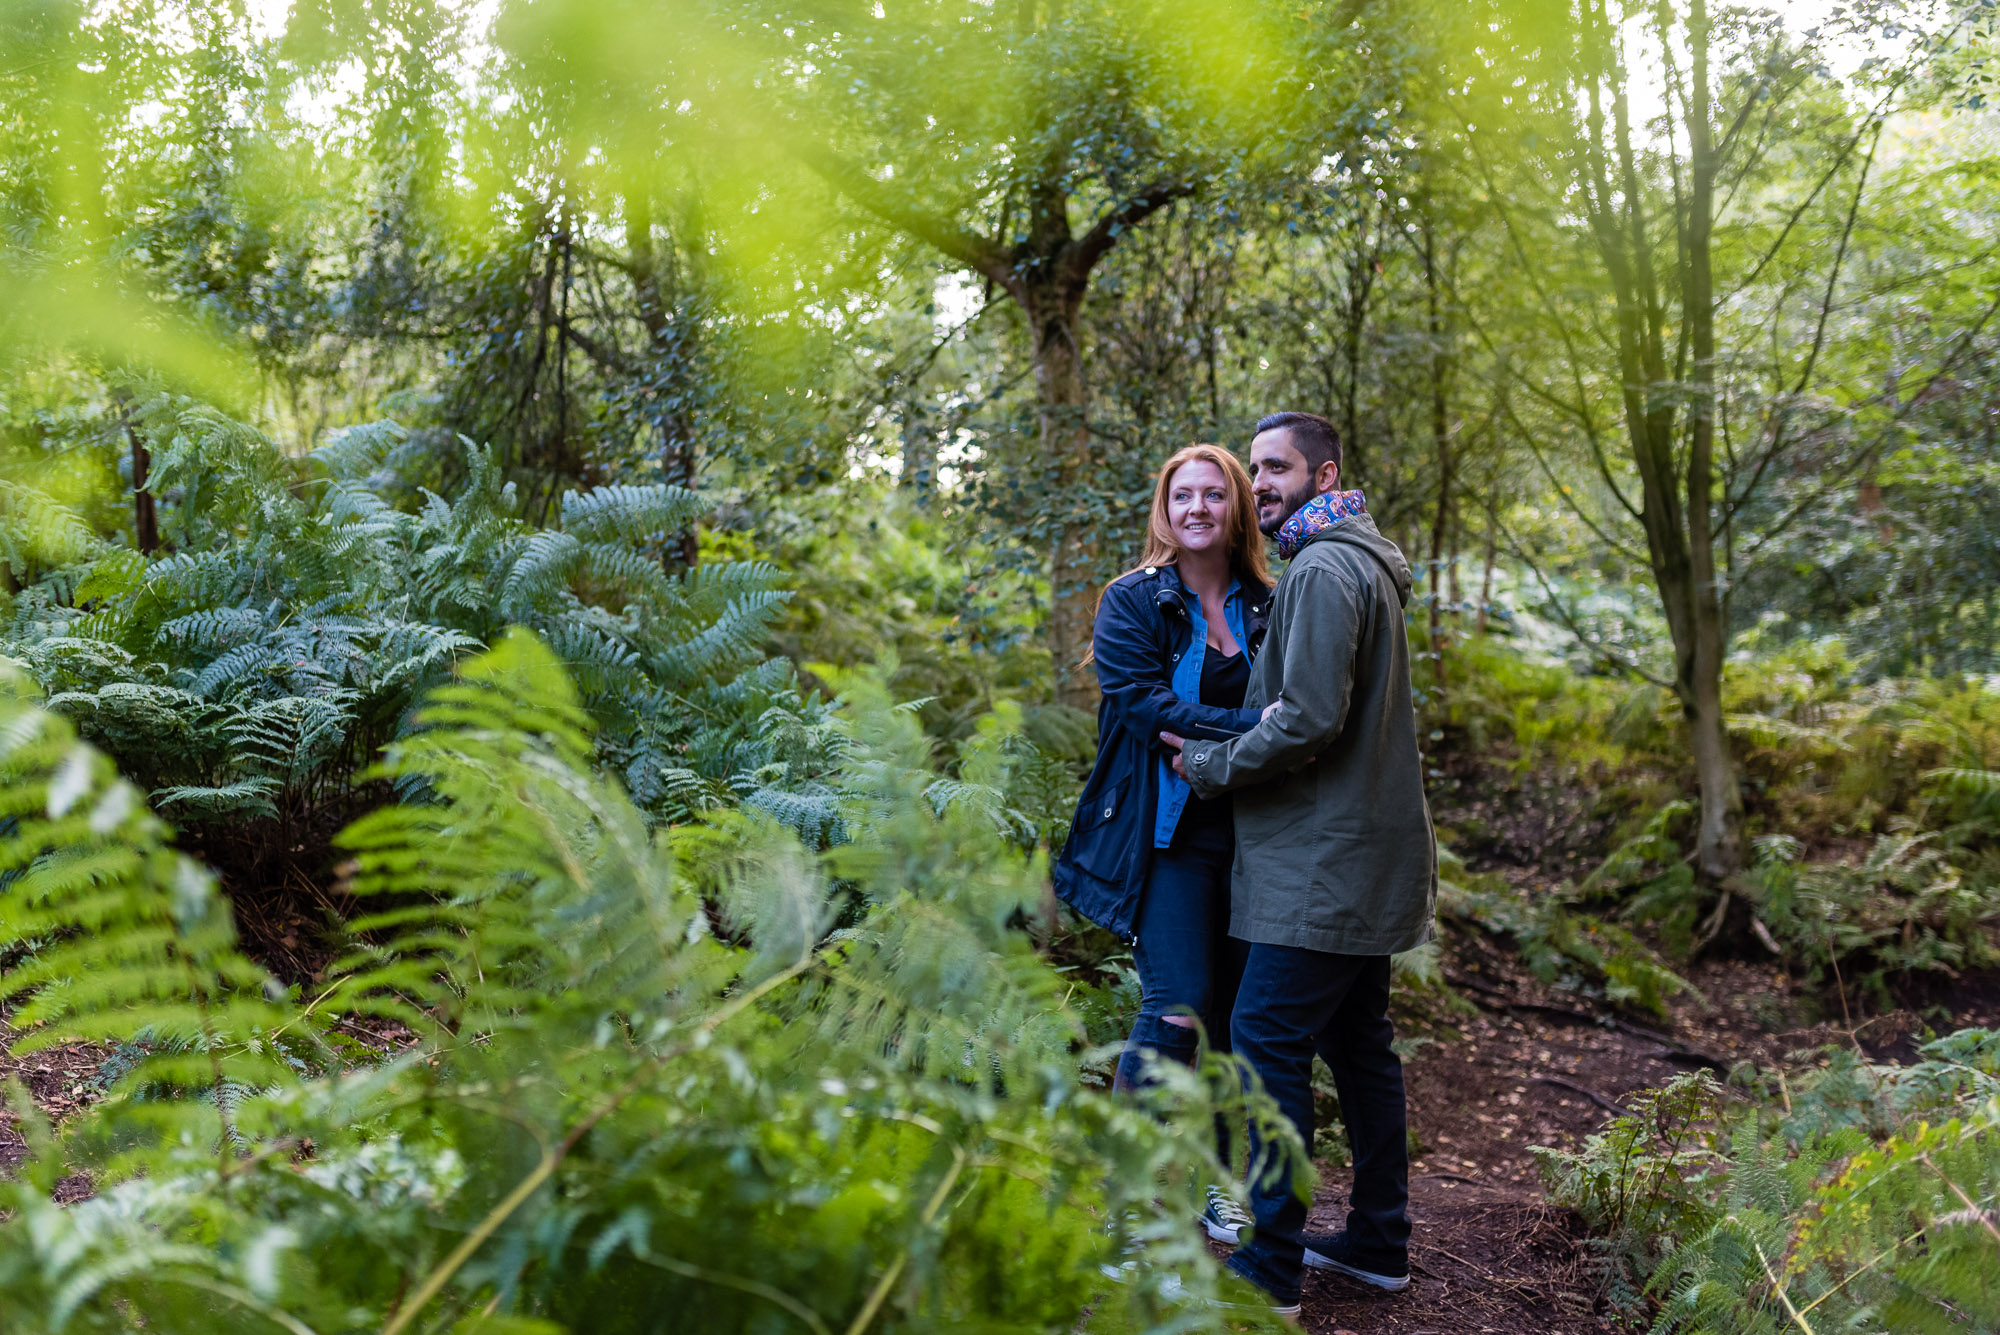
(1311, 435)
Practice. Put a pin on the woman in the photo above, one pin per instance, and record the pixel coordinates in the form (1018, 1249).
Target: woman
(1145, 858)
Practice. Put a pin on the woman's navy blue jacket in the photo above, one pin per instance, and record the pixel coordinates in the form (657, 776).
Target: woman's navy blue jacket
(1143, 628)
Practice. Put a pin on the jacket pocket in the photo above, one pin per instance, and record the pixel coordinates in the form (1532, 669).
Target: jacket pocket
(1099, 839)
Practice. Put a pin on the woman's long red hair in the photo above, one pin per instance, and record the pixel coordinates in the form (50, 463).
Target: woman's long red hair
(1239, 533)
(1240, 537)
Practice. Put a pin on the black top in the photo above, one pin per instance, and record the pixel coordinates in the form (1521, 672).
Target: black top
(1224, 679)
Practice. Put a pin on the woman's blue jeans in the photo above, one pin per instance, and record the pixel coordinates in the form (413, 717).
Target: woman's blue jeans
(1187, 962)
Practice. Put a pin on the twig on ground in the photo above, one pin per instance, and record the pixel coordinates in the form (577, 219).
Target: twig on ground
(1609, 1105)
(1673, 1047)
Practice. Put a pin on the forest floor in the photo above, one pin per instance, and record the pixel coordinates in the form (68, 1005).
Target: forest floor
(1511, 1063)
(1527, 1067)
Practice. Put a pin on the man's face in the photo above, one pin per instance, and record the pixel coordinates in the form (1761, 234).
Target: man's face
(1279, 479)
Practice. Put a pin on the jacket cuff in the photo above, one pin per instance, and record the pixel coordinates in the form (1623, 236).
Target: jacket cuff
(1204, 767)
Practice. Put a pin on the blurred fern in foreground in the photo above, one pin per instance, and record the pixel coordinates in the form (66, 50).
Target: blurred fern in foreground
(648, 1085)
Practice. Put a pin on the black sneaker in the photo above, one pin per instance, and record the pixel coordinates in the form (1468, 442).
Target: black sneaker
(1332, 1251)
(1285, 1305)
(1224, 1219)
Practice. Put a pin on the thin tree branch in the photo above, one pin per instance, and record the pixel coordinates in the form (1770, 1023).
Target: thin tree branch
(975, 252)
(1094, 244)
(1581, 409)
(1583, 516)
(1618, 658)
(1902, 410)
(1779, 417)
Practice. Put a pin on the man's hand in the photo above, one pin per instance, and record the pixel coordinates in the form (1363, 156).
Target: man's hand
(1176, 742)
(1269, 710)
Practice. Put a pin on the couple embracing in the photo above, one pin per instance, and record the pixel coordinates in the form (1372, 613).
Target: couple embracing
(1255, 825)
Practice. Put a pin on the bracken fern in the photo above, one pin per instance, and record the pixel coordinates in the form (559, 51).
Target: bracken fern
(699, 1079)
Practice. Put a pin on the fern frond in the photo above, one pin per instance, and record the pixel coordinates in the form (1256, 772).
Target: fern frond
(233, 667)
(546, 563)
(245, 797)
(630, 514)
(38, 532)
(1980, 783)
(137, 943)
(213, 628)
(353, 453)
(726, 642)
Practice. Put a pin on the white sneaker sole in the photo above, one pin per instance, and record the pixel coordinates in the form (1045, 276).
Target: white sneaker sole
(1392, 1283)
(1231, 1234)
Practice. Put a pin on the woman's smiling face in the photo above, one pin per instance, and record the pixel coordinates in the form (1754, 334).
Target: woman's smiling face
(1198, 506)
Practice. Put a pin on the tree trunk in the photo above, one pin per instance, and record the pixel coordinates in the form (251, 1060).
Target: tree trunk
(1719, 847)
(145, 516)
(1486, 573)
(1361, 274)
(1442, 445)
(1045, 266)
(1677, 507)
(1062, 405)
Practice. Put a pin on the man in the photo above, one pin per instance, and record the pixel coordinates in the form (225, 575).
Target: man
(1336, 863)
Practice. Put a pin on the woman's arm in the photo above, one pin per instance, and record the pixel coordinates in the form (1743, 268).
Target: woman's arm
(1129, 673)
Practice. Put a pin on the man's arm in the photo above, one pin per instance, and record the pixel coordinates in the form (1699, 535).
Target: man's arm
(1321, 617)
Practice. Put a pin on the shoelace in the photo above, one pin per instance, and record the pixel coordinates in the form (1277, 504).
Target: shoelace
(1226, 1210)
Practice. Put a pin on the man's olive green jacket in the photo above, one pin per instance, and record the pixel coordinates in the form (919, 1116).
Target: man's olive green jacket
(1334, 848)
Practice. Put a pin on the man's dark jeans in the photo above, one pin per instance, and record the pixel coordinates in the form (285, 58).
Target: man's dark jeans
(1185, 957)
(1293, 1003)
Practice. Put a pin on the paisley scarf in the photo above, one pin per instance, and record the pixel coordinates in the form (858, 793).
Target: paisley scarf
(1317, 515)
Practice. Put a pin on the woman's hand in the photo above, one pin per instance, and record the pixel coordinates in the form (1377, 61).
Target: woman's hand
(1269, 710)
(1176, 742)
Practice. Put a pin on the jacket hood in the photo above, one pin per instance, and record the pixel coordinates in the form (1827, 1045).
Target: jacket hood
(1360, 531)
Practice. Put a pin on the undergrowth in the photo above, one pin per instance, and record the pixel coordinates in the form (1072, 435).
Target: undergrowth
(704, 1070)
(1874, 822)
(1855, 1197)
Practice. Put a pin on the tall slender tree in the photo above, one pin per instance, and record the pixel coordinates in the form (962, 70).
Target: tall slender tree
(1658, 257)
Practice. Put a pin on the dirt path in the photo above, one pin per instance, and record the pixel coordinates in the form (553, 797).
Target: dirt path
(1527, 1066)
(1488, 1255)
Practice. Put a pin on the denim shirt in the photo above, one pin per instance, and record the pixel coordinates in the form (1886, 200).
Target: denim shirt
(1174, 792)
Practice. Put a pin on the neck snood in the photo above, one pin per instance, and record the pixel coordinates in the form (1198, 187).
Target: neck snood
(1317, 515)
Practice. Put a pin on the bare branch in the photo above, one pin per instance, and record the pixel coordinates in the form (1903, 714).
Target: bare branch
(1616, 657)
(1573, 359)
(1093, 245)
(1576, 508)
(1779, 418)
(1839, 476)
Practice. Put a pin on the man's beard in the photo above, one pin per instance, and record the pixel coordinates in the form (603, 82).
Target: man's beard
(1291, 502)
